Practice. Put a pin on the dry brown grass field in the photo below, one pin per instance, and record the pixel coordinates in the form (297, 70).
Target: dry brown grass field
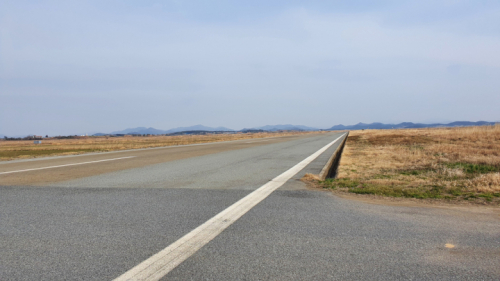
(10, 150)
(448, 163)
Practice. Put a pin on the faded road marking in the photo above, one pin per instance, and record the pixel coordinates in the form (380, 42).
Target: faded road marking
(65, 165)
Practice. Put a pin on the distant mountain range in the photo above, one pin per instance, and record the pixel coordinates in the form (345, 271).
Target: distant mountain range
(139, 130)
(153, 131)
(199, 128)
(287, 127)
(408, 125)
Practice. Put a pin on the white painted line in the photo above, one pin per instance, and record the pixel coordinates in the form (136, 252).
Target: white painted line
(167, 259)
(65, 165)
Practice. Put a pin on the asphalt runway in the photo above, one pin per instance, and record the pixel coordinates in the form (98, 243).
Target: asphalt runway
(96, 221)
(86, 165)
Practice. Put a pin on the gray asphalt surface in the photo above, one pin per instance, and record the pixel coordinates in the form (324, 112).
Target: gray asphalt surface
(311, 235)
(98, 227)
(239, 169)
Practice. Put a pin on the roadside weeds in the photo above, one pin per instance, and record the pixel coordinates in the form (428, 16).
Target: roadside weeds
(445, 164)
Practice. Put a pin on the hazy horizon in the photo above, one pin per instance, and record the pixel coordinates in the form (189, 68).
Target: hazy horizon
(102, 66)
(187, 128)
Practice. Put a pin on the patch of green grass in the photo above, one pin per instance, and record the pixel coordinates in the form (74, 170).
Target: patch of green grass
(410, 173)
(382, 176)
(418, 192)
(466, 167)
(487, 196)
(377, 190)
(470, 196)
(414, 172)
(341, 182)
(424, 192)
(455, 191)
(474, 168)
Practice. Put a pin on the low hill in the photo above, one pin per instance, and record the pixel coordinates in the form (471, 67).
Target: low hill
(153, 131)
(139, 130)
(287, 127)
(197, 128)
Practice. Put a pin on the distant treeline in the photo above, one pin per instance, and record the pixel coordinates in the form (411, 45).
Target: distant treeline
(41, 138)
(194, 132)
(25, 138)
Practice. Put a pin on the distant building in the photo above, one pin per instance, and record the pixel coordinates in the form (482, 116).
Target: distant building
(37, 142)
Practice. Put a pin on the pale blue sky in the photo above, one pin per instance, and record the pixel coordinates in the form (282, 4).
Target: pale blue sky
(72, 67)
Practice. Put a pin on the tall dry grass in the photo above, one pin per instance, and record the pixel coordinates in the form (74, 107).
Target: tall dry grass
(27, 149)
(466, 159)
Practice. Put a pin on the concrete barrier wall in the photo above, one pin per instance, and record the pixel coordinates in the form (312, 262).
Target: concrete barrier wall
(331, 167)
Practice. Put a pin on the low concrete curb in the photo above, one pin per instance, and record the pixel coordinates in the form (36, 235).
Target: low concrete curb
(330, 169)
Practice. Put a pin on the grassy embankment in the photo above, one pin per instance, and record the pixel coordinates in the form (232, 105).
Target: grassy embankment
(50, 147)
(448, 163)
